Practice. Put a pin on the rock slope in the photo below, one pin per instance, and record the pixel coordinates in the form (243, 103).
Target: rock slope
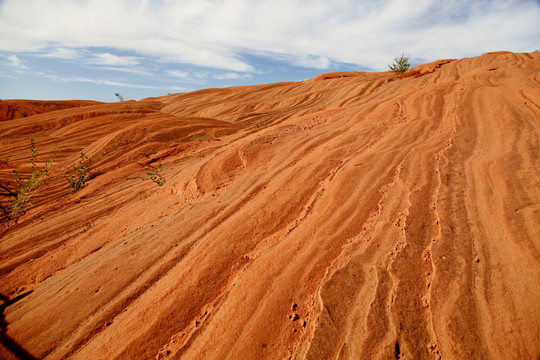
(350, 216)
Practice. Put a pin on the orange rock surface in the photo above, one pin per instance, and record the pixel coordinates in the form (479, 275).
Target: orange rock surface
(350, 216)
(14, 109)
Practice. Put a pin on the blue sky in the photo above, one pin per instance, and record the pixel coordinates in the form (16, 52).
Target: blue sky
(91, 49)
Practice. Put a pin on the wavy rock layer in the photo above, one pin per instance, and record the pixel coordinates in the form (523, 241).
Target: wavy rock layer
(354, 215)
(14, 109)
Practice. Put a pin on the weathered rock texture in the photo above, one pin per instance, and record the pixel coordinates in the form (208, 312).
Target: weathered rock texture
(350, 216)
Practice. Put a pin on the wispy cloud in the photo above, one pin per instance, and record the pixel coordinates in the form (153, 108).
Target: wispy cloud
(15, 61)
(178, 74)
(315, 34)
(63, 53)
(110, 83)
(197, 77)
(110, 59)
(130, 70)
(302, 60)
(231, 76)
(9, 76)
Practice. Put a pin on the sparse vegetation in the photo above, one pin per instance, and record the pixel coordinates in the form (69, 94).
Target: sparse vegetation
(79, 175)
(153, 173)
(262, 125)
(323, 107)
(120, 97)
(401, 64)
(205, 137)
(19, 198)
(88, 226)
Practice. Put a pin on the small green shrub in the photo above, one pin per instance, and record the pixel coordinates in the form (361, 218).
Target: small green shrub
(119, 97)
(88, 226)
(205, 137)
(79, 175)
(153, 173)
(19, 199)
(401, 64)
(262, 125)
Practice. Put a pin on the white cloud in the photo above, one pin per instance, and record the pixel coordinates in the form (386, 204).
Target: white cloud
(9, 76)
(63, 53)
(108, 82)
(110, 59)
(178, 74)
(130, 70)
(316, 62)
(193, 77)
(231, 76)
(222, 34)
(14, 61)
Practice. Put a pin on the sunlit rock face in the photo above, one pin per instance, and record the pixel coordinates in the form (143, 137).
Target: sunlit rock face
(350, 216)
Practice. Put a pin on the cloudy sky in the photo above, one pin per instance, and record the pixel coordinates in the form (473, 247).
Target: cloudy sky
(91, 49)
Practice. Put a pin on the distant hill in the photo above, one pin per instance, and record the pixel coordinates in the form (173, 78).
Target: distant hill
(14, 109)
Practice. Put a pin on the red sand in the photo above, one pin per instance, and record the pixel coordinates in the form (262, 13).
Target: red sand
(351, 216)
